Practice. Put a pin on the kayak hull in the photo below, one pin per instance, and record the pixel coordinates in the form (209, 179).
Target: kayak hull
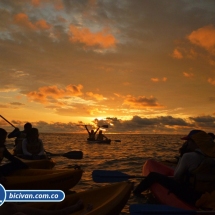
(106, 200)
(99, 141)
(39, 164)
(161, 193)
(43, 180)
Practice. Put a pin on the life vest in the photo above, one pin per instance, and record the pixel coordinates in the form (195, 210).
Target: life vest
(34, 148)
(202, 179)
(18, 143)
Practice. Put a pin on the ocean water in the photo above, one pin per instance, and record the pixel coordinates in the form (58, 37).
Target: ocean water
(127, 156)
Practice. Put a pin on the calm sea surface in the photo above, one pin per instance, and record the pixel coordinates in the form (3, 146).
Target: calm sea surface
(127, 156)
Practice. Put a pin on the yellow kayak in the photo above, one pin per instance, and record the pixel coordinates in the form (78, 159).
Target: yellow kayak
(106, 200)
(34, 172)
(34, 179)
(39, 164)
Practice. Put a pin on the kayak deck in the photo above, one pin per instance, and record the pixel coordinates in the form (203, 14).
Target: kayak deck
(39, 164)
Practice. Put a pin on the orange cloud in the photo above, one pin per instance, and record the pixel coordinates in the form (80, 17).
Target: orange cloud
(188, 75)
(53, 92)
(211, 81)
(42, 24)
(85, 36)
(157, 79)
(204, 37)
(177, 54)
(141, 102)
(22, 19)
(96, 96)
(35, 3)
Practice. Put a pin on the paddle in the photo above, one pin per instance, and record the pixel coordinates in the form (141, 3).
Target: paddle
(108, 176)
(69, 155)
(7, 121)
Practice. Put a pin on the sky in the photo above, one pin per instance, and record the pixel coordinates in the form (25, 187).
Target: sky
(139, 66)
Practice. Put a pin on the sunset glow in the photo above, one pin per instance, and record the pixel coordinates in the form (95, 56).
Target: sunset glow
(108, 62)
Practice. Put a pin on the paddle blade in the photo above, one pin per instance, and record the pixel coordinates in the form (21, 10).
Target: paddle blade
(73, 155)
(104, 126)
(109, 176)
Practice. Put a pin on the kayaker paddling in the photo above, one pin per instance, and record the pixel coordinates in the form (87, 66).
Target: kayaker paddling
(182, 184)
(19, 135)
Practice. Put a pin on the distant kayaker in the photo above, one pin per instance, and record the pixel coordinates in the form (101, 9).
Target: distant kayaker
(101, 136)
(4, 153)
(20, 135)
(92, 133)
(32, 146)
(201, 148)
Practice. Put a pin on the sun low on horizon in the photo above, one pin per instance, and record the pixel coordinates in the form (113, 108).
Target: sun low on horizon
(137, 66)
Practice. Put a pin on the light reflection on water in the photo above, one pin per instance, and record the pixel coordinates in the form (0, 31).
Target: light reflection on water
(127, 156)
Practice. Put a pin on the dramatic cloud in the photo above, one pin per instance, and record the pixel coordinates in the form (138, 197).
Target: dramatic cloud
(45, 93)
(101, 39)
(141, 102)
(204, 37)
(95, 95)
(22, 19)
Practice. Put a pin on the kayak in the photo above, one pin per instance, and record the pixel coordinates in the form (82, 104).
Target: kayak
(105, 200)
(161, 193)
(99, 141)
(39, 164)
(33, 172)
(34, 179)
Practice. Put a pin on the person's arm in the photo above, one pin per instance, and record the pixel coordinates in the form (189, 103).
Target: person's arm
(97, 130)
(87, 129)
(14, 133)
(24, 148)
(182, 168)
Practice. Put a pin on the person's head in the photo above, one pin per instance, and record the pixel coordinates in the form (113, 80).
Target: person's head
(3, 136)
(32, 134)
(188, 146)
(92, 132)
(27, 126)
(203, 141)
(100, 132)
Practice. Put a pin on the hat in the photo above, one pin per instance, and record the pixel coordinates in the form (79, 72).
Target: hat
(205, 143)
(190, 134)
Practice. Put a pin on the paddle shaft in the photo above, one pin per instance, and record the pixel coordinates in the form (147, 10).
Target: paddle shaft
(7, 121)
